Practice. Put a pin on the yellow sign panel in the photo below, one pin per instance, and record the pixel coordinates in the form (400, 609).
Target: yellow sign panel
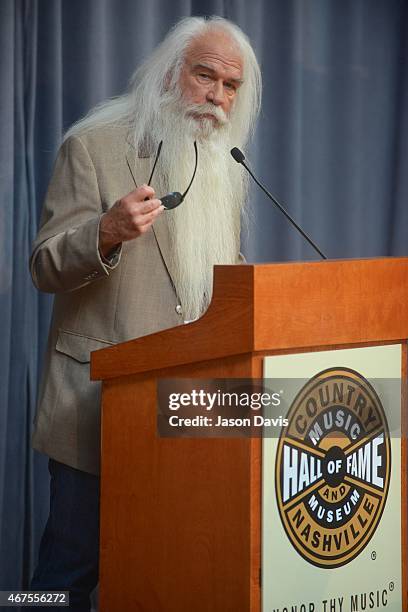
(331, 503)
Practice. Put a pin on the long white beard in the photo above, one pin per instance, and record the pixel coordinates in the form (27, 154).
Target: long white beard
(205, 228)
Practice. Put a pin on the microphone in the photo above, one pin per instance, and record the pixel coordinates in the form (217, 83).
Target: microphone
(240, 159)
(238, 155)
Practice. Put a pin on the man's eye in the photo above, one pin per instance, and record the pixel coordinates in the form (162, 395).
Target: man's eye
(204, 76)
(230, 86)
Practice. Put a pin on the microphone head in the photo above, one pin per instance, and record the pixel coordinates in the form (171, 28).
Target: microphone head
(237, 155)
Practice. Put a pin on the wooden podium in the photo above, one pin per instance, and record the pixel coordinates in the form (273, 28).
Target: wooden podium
(180, 518)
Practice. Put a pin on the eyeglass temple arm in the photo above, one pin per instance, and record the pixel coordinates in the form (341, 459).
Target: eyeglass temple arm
(194, 173)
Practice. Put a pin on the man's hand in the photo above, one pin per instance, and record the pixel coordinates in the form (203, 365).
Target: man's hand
(128, 218)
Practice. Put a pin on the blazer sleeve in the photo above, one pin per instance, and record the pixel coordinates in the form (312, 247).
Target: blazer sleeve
(65, 253)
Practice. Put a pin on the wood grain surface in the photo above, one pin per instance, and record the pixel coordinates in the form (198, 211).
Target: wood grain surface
(297, 306)
(181, 518)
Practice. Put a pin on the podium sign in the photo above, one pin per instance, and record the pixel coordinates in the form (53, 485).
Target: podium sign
(181, 518)
(331, 510)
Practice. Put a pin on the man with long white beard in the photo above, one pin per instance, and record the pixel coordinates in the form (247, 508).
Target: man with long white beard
(120, 265)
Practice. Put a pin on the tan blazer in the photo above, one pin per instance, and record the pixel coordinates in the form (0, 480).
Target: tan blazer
(95, 304)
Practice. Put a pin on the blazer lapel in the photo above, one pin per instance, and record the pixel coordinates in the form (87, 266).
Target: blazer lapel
(140, 168)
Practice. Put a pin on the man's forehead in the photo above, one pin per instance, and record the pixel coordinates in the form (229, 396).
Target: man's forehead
(214, 47)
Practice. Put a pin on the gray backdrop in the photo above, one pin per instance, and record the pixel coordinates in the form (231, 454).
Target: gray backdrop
(332, 144)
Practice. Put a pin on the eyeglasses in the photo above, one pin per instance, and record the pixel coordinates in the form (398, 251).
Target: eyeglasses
(174, 198)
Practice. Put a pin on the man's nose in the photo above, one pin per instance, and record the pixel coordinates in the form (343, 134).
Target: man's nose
(216, 94)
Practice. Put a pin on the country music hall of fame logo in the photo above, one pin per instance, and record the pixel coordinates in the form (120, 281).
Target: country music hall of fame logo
(333, 466)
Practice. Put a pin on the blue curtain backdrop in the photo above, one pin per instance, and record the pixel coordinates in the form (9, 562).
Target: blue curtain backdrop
(332, 144)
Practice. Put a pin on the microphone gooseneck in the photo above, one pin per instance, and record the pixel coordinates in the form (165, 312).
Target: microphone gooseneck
(240, 159)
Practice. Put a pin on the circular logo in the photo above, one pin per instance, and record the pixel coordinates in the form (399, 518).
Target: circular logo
(333, 467)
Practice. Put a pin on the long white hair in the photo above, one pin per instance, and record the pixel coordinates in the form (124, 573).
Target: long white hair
(138, 108)
(205, 230)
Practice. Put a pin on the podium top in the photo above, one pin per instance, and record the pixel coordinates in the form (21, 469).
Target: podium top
(276, 307)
